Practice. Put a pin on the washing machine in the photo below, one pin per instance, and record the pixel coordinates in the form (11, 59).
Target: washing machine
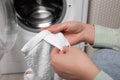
(34, 14)
(31, 16)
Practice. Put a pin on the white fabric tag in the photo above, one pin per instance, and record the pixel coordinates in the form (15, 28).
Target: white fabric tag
(58, 40)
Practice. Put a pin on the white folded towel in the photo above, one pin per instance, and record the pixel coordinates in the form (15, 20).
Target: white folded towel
(37, 53)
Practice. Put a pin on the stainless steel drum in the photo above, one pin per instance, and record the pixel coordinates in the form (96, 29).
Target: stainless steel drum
(34, 14)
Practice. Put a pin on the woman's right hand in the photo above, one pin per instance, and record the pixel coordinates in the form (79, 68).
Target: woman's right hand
(73, 64)
(74, 31)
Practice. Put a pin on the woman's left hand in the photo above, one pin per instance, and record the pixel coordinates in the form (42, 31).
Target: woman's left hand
(73, 64)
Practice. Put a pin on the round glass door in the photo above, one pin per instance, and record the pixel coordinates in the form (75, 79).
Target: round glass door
(34, 14)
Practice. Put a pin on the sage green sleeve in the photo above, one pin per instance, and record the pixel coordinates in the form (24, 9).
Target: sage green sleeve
(107, 37)
(102, 76)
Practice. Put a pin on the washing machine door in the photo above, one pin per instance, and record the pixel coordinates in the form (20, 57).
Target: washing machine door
(34, 14)
(8, 29)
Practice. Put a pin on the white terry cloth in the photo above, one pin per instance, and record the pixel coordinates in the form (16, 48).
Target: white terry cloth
(37, 53)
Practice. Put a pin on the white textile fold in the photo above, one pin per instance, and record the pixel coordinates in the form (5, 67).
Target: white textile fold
(37, 53)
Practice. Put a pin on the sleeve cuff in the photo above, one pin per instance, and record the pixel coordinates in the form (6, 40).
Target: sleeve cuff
(102, 76)
(104, 37)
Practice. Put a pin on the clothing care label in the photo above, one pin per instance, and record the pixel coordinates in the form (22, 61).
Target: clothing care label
(58, 40)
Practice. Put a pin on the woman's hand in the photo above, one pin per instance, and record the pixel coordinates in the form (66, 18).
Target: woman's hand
(74, 31)
(73, 64)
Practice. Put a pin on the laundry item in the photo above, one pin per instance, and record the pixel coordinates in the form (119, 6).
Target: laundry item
(37, 53)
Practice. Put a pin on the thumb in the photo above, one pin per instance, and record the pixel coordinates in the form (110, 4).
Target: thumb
(54, 52)
(55, 28)
(65, 49)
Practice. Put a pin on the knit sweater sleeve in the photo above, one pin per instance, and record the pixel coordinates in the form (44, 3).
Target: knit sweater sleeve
(102, 76)
(107, 37)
